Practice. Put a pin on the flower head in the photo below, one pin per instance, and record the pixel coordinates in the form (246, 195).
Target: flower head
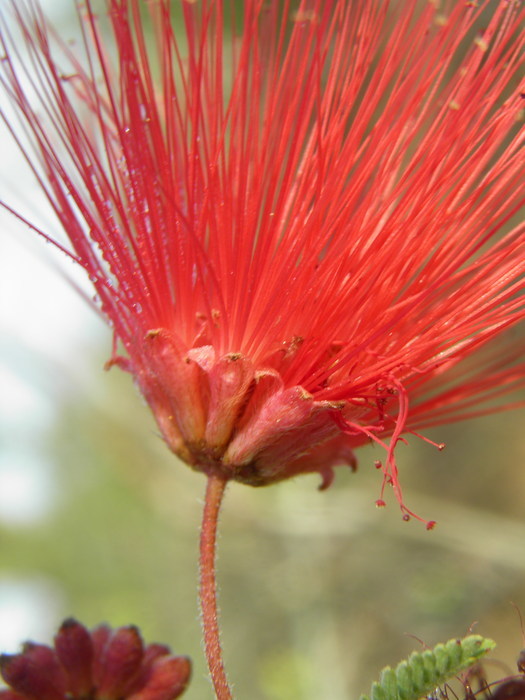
(298, 217)
(104, 664)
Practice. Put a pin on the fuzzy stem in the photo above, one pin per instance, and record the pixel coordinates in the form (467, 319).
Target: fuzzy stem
(208, 587)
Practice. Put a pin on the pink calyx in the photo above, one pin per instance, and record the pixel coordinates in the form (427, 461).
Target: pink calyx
(222, 415)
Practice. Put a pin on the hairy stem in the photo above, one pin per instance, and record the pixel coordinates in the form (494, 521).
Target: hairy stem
(208, 587)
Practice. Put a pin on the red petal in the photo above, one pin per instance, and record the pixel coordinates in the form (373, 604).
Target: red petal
(75, 652)
(169, 678)
(151, 654)
(99, 639)
(35, 673)
(11, 695)
(120, 661)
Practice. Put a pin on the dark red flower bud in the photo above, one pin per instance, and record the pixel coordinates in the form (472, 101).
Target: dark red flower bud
(104, 664)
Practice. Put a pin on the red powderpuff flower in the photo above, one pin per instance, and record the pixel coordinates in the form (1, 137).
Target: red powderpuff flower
(104, 664)
(299, 217)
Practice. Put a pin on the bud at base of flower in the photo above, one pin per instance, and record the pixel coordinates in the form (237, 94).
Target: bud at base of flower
(223, 416)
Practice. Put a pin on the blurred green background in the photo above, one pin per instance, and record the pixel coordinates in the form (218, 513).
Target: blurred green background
(318, 591)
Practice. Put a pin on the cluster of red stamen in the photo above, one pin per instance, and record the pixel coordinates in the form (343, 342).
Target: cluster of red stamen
(319, 191)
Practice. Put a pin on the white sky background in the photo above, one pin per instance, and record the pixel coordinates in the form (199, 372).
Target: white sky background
(46, 331)
(44, 323)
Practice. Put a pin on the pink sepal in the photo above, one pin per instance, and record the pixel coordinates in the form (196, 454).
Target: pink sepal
(280, 427)
(229, 381)
(180, 380)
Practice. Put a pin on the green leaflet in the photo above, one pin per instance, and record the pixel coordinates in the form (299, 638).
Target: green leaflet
(424, 671)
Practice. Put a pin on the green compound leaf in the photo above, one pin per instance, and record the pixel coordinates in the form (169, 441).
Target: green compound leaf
(424, 671)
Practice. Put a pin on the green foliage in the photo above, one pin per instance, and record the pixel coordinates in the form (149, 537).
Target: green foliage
(424, 671)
